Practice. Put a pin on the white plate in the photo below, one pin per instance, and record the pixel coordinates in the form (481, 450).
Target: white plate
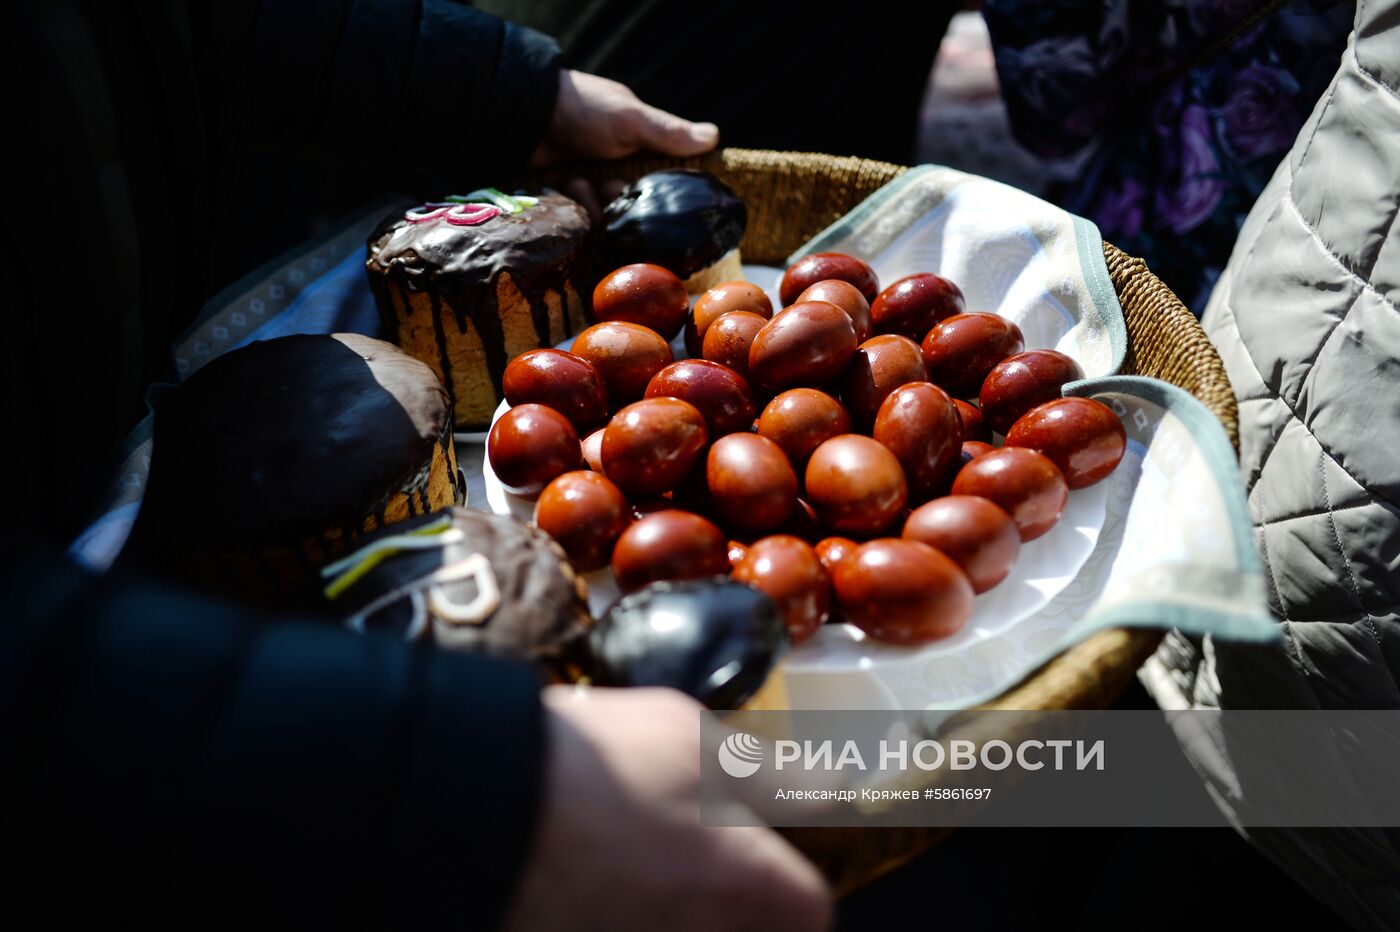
(840, 668)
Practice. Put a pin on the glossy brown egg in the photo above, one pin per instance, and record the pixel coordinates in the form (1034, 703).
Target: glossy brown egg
(973, 426)
(856, 485)
(972, 532)
(848, 298)
(789, 572)
(737, 551)
(561, 381)
(729, 339)
(669, 545)
(586, 514)
(833, 550)
(903, 592)
(643, 294)
(880, 365)
(919, 424)
(626, 355)
(806, 344)
(800, 419)
(960, 351)
(593, 450)
(971, 449)
(1023, 483)
(718, 301)
(649, 446)
(821, 266)
(914, 304)
(1017, 384)
(1081, 436)
(528, 446)
(722, 395)
(752, 485)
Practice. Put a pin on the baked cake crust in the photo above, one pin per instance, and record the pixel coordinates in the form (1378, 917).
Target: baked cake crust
(466, 297)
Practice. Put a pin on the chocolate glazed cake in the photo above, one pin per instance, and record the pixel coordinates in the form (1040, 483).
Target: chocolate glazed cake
(682, 219)
(467, 581)
(272, 459)
(468, 284)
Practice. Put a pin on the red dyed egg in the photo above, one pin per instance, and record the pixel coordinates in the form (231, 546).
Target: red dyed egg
(960, 351)
(833, 550)
(752, 486)
(856, 485)
(788, 571)
(1081, 436)
(971, 449)
(718, 301)
(729, 339)
(821, 266)
(800, 420)
(903, 592)
(558, 380)
(593, 450)
(880, 365)
(914, 304)
(848, 298)
(530, 445)
(649, 446)
(643, 294)
(626, 355)
(669, 545)
(720, 394)
(972, 532)
(919, 424)
(806, 344)
(1023, 483)
(586, 514)
(1017, 384)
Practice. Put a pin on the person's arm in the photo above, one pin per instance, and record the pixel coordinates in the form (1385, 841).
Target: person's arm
(435, 86)
(180, 755)
(173, 761)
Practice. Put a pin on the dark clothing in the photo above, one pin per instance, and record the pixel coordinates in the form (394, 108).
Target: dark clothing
(174, 760)
(169, 760)
(844, 79)
(129, 194)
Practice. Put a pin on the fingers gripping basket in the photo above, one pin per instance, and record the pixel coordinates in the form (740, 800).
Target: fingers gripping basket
(793, 196)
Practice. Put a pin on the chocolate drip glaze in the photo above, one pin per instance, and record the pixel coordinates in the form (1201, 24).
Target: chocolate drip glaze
(542, 615)
(538, 247)
(682, 220)
(288, 437)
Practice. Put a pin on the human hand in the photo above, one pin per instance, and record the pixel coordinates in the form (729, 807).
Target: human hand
(595, 118)
(620, 845)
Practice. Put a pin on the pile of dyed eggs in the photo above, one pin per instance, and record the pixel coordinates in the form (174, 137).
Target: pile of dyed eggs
(837, 456)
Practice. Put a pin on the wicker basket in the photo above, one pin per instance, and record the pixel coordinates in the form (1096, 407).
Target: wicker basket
(793, 196)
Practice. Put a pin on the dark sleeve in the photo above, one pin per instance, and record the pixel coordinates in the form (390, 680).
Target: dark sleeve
(196, 766)
(431, 85)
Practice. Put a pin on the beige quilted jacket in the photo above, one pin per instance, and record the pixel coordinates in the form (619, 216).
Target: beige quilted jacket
(1307, 320)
